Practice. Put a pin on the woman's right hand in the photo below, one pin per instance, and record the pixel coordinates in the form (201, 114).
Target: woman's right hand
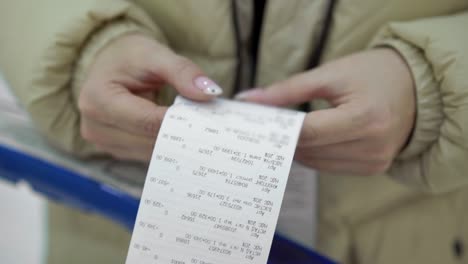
(118, 114)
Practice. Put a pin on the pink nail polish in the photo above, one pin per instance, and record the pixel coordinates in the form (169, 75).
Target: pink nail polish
(207, 86)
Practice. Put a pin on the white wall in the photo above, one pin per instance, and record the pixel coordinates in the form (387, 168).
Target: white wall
(23, 231)
(22, 225)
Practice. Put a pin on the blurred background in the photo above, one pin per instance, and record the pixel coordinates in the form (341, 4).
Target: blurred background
(23, 229)
(22, 225)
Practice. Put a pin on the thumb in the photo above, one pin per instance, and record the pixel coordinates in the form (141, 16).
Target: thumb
(298, 89)
(188, 79)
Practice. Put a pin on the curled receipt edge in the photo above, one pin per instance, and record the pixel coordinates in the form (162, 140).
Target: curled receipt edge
(215, 184)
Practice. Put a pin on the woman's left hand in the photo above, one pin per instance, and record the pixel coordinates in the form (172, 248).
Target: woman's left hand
(373, 111)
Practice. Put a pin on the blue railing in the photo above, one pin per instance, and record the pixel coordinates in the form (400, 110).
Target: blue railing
(75, 190)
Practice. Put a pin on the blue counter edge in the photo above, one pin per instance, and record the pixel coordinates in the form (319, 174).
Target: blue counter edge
(68, 187)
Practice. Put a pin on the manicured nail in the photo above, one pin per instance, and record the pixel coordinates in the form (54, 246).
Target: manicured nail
(242, 96)
(207, 86)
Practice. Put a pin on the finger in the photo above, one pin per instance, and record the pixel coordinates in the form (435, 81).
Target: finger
(356, 150)
(300, 88)
(186, 77)
(330, 126)
(103, 134)
(125, 153)
(345, 166)
(128, 112)
(151, 96)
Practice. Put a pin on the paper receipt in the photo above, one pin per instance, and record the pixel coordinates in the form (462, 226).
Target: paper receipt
(215, 184)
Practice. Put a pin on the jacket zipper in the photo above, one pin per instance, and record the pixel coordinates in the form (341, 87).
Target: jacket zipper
(237, 39)
(259, 10)
(316, 57)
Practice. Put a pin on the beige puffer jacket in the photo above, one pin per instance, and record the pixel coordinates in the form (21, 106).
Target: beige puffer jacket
(417, 213)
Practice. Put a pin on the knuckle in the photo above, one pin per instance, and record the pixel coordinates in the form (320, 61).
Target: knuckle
(309, 133)
(384, 166)
(382, 153)
(182, 65)
(90, 134)
(87, 108)
(150, 123)
(378, 129)
(361, 116)
(378, 168)
(379, 123)
(86, 132)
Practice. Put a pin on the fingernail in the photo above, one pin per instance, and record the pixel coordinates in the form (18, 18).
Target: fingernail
(207, 86)
(242, 96)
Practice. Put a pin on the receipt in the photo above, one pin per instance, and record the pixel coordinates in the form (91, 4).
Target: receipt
(215, 184)
(298, 216)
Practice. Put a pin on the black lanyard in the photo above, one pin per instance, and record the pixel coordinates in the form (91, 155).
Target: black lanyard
(259, 11)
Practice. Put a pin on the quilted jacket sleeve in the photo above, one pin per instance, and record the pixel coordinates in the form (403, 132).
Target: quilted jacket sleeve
(45, 48)
(436, 49)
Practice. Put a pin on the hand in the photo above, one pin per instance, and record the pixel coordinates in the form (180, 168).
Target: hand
(118, 114)
(372, 114)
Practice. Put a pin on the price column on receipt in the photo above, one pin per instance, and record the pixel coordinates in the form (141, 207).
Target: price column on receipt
(215, 184)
